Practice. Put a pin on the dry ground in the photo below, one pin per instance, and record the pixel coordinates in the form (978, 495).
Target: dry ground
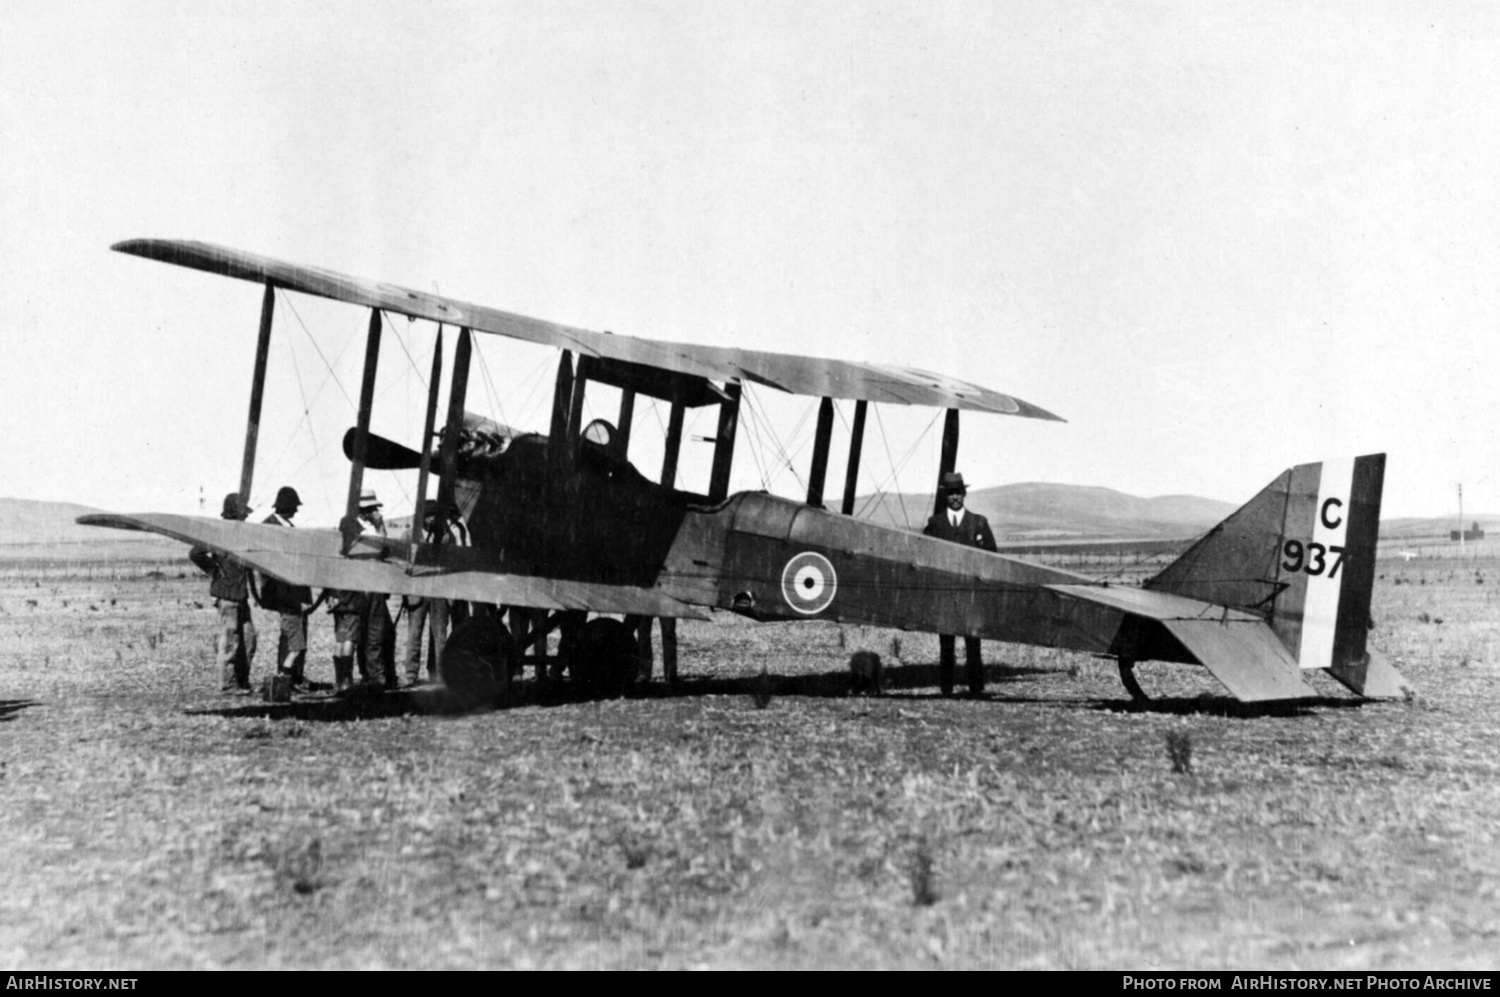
(149, 823)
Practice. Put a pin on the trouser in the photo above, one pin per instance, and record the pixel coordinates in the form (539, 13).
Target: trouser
(642, 626)
(973, 664)
(291, 647)
(348, 635)
(418, 613)
(378, 649)
(236, 643)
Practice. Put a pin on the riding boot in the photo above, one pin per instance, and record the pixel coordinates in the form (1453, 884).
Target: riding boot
(343, 673)
(293, 667)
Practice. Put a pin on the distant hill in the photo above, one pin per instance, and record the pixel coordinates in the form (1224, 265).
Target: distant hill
(1036, 511)
(30, 521)
(30, 530)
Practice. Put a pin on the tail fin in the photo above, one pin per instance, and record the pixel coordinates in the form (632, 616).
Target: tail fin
(1302, 554)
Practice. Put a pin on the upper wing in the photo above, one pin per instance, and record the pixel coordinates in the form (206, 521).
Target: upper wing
(313, 558)
(796, 374)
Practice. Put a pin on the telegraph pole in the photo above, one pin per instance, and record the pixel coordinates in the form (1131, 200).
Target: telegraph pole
(1460, 520)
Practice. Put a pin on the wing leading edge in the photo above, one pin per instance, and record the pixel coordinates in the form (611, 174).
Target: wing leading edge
(313, 558)
(799, 375)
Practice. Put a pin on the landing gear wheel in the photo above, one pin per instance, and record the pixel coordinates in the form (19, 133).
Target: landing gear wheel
(476, 662)
(1127, 675)
(602, 657)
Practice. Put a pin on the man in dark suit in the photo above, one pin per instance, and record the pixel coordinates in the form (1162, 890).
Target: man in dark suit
(959, 525)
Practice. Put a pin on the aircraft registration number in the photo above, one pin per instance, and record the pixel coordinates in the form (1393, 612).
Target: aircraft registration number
(1312, 558)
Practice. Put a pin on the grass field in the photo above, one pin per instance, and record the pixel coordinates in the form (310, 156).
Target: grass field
(149, 823)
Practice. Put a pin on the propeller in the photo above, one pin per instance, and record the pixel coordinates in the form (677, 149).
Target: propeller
(382, 454)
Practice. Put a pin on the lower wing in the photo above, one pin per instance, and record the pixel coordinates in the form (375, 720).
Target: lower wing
(315, 558)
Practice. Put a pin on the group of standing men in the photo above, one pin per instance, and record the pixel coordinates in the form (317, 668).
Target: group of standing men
(364, 633)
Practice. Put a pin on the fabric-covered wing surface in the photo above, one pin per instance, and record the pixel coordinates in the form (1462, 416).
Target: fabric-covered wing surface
(313, 558)
(795, 374)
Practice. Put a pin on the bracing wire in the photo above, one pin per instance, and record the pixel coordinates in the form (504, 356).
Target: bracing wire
(912, 450)
(757, 428)
(533, 378)
(789, 456)
(332, 373)
(779, 450)
(491, 395)
(422, 378)
(896, 467)
(306, 409)
(753, 429)
(302, 390)
(886, 443)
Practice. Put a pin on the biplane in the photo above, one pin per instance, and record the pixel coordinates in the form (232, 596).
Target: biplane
(568, 534)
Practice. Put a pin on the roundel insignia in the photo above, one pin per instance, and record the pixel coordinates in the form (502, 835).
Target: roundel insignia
(808, 583)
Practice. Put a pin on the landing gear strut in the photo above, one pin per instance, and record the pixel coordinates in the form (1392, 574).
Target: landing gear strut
(1127, 675)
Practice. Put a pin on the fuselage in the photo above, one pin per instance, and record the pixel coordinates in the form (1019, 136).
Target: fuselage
(757, 554)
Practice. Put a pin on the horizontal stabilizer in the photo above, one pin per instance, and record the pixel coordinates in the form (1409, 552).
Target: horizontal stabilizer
(1152, 605)
(1247, 657)
(314, 558)
(1239, 648)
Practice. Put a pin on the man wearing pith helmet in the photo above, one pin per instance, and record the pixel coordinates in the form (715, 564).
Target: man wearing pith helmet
(288, 600)
(958, 525)
(230, 590)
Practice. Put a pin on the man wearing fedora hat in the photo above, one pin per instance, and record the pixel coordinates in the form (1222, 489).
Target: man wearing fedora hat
(377, 649)
(958, 525)
(230, 590)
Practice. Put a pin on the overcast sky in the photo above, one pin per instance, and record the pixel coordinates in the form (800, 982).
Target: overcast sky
(1219, 239)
